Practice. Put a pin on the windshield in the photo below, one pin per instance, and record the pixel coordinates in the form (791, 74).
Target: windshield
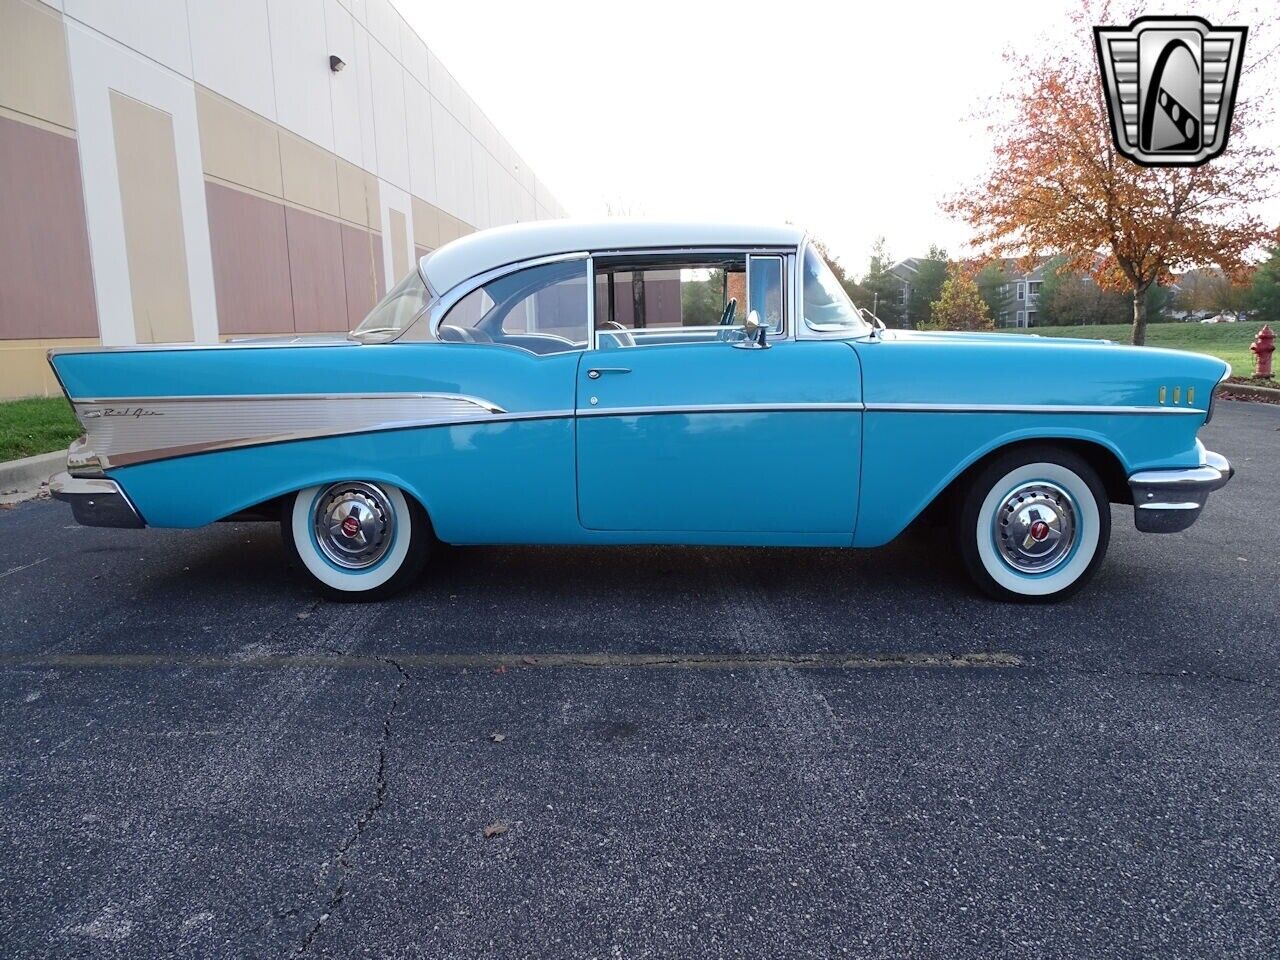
(827, 308)
(394, 312)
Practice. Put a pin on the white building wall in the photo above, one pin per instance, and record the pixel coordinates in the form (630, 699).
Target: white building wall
(98, 66)
(395, 110)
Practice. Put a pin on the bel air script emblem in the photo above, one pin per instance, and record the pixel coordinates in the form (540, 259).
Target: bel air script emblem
(1170, 85)
(134, 412)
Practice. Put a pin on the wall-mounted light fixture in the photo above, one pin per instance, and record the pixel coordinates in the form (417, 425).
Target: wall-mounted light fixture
(336, 63)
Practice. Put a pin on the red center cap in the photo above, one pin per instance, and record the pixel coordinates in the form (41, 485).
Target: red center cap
(1039, 531)
(351, 526)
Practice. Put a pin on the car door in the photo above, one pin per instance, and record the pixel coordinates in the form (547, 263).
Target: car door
(683, 428)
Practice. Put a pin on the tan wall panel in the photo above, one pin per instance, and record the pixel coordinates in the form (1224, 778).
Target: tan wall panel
(358, 270)
(450, 228)
(154, 242)
(310, 174)
(250, 262)
(237, 145)
(419, 251)
(379, 271)
(46, 280)
(353, 195)
(399, 244)
(373, 194)
(426, 224)
(315, 272)
(24, 367)
(34, 76)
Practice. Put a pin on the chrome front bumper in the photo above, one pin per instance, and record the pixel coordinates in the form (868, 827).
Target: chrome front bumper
(96, 501)
(1166, 501)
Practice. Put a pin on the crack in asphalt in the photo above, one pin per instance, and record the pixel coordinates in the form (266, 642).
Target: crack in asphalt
(1172, 675)
(370, 812)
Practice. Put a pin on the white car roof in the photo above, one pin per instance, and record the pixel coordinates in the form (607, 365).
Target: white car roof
(479, 252)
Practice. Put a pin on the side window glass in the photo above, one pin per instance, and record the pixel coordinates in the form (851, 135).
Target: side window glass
(687, 299)
(766, 291)
(540, 309)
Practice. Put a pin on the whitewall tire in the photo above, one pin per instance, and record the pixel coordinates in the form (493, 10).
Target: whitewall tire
(356, 540)
(1034, 524)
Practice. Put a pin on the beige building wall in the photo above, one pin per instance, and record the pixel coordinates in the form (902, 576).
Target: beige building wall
(319, 188)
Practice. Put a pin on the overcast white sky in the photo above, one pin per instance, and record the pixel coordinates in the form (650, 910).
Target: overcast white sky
(851, 119)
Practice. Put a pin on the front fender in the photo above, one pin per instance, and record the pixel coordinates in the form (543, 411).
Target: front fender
(910, 458)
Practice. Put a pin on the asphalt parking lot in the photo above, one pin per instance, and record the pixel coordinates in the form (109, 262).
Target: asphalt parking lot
(702, 753)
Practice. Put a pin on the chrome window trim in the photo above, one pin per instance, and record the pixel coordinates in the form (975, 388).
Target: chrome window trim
(763, 250)
(591, 303)
(803, 330)
(438, 308)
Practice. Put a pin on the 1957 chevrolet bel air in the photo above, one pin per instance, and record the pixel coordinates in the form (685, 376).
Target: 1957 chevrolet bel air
(624, 382)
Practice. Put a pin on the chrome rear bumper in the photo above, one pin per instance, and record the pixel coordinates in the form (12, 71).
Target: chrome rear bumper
(1166, 501)
(96, 501)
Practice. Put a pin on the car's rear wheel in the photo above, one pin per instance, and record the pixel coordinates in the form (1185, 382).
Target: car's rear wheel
(356, 540)
(1033, 524)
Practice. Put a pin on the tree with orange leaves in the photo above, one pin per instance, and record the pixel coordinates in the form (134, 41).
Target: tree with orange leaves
(1057, 184)
(960, 305)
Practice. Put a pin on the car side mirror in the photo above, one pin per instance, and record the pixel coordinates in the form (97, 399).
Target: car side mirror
(754, 333)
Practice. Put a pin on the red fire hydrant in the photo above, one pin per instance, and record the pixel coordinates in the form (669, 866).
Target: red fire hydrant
(1263, 346)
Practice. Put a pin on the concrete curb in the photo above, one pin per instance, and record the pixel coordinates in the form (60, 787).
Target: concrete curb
(30, 472)
(1249, 390)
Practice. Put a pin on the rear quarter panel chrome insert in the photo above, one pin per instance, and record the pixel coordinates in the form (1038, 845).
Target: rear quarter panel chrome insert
(125, 431)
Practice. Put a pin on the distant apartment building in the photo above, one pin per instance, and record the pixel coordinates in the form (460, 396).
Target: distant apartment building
(194, 170)
(1020, 291)
(1019, 294)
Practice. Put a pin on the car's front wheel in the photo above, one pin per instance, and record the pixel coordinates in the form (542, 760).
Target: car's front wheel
(356, 540)
(1033, 524)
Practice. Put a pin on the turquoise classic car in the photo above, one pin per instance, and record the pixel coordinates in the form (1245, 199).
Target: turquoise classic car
(626, 383)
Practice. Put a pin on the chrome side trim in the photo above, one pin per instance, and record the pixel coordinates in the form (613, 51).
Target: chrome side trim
(259, 397)
(1021, 408)
(720, 408)
(172, 347)
(96, 502)
(1166, 501)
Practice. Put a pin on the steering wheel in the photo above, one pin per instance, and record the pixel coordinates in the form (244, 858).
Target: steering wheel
(726, 320)
(730, 308)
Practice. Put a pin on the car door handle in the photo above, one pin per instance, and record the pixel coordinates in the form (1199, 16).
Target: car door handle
(594, 372)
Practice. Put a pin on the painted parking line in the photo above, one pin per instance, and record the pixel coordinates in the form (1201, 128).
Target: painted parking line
(590, 661)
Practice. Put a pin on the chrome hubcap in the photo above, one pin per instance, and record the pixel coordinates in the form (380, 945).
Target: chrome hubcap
(354, 524)
(1035, 527)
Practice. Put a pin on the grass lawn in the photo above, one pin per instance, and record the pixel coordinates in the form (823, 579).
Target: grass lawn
(37, 425)
(1227, 341)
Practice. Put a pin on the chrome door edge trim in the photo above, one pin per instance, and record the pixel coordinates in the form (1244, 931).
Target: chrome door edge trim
(1022, 408)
